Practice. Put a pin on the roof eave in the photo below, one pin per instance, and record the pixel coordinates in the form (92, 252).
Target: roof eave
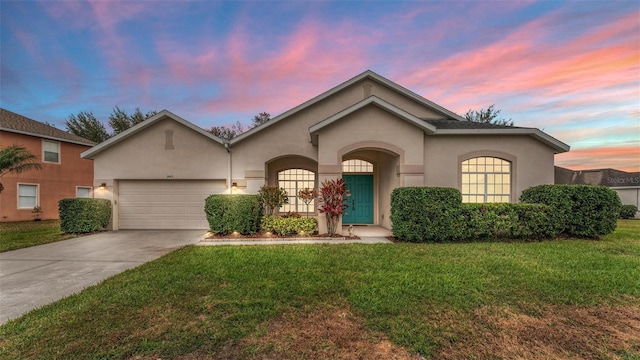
(91, 153)
(557, 145)
(45, 136)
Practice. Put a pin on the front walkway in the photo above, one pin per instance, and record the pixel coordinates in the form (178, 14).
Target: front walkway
(369, 234)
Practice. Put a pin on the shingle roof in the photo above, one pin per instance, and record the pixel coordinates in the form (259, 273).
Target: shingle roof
(12, 122)
(450, 124)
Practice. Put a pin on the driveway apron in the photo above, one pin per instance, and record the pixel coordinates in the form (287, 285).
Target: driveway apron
(39, 275)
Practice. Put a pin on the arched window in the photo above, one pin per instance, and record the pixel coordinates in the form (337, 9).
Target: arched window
(486, 180)
(357, 166)
(294, 180)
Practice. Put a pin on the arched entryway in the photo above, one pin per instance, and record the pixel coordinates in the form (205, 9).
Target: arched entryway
(358, 174)
(371, 173)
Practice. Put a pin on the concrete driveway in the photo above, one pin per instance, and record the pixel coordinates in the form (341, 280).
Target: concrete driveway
(39, 275)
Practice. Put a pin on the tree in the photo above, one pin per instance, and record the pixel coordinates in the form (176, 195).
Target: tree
(120, 121)
(227, 133)
(272, 198)
(260, 119)
(16, 159)
(489, 116)
(87, 126)
(307, 196)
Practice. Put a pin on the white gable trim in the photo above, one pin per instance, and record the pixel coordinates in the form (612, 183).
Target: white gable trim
(367, 74)
(164, 114)
(371, 100)
(557, 145)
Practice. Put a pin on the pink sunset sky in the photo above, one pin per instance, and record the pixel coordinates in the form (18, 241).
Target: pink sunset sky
(569, 68)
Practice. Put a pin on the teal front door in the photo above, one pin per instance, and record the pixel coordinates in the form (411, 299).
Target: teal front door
(360, 210)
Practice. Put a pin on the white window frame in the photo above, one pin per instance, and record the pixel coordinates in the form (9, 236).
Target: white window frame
(37, 200)
(485, 182)
(57, 143)
(85, 187)
(295, 204)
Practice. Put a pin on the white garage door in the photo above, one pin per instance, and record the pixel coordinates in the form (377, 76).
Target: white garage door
(165, 204)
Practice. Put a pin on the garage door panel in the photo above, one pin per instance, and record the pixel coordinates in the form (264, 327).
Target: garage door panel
(175, 204)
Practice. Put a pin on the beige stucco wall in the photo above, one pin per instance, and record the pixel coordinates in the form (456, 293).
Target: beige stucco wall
(531, 161)
(143, 156)
(291, 136)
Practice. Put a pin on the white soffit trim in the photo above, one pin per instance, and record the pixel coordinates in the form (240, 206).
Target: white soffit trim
(91, 153)
(557, 145)
(371, 100)
(367, 74)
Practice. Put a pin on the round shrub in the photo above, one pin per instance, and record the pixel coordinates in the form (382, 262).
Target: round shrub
(628, 211)
(583, 210)
(426, 214)
(229, 213)
(83, 215)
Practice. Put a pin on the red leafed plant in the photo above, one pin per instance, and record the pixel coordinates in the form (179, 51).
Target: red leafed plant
(331, 199)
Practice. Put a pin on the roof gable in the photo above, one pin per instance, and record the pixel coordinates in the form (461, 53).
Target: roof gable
(371, 100)
(16, 123)
(365, 75)
(164, 114)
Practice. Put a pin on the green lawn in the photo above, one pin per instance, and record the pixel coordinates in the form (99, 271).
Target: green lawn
(22, 234)
(554, 299)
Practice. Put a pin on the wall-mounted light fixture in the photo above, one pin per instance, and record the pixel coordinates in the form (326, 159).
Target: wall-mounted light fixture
(234, 185)
(103, 186)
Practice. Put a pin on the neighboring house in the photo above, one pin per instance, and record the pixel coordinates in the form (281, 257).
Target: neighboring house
(64, 173)
(626, 184)
(368, 130)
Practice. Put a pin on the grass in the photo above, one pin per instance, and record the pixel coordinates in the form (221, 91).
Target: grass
(22, 234)
(567, 298)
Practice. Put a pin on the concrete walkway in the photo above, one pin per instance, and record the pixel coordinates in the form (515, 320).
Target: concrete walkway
(39, 275)
(369, 234)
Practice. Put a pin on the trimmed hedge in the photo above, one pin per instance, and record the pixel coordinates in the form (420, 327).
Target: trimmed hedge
(83, 215)
(287, 226)
(426, 214)
(628, 211)
(583, 210)
(508, 221)
(229, 213)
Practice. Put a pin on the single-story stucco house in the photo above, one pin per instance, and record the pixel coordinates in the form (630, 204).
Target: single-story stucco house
(372, 132)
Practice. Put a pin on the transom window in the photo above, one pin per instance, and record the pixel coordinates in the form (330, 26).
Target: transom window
(357, 166)
(27, 196)
(486, 180)
(51, 151)
(294, 180)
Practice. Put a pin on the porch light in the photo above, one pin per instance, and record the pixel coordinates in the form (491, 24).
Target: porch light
(103, 186)
(234, 185)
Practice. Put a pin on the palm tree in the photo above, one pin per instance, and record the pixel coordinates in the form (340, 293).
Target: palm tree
(16, 159)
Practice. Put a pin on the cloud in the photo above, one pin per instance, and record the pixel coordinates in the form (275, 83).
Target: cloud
(625, 158)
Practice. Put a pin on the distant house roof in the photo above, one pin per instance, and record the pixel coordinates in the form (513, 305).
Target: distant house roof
(603, 177)
(15, 123)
